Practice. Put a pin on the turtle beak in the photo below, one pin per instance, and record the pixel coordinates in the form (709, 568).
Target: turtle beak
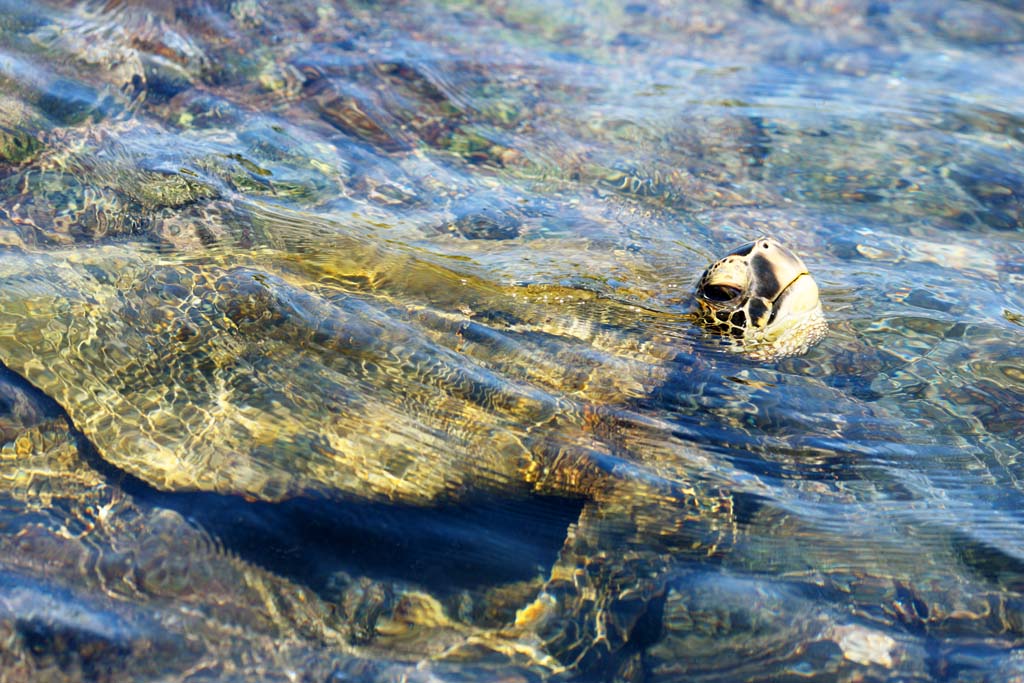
(796, 293)
(798, 298)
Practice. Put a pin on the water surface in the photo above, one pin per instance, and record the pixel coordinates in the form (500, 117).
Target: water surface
(370, 321)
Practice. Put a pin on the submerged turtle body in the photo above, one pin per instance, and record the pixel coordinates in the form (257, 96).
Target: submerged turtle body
(201, 377)
(232, 346)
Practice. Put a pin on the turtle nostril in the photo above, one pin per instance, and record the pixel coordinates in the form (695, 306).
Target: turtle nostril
(720, 292)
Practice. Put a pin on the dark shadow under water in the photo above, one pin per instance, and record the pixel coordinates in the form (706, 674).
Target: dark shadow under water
(308, 539)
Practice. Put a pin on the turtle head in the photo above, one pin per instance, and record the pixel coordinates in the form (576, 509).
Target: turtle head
(762, 297)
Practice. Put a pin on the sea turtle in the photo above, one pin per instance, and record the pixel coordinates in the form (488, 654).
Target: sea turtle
(274, 378)
(763, 295)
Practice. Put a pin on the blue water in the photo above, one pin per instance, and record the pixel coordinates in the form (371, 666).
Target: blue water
(350, 341)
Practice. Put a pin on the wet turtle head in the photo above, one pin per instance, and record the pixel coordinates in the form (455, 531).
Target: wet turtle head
(762, 296)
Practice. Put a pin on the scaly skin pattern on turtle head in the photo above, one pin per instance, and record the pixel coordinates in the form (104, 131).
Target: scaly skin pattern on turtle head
(763, 299)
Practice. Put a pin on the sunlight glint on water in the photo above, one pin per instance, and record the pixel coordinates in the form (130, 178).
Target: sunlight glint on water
(374, 325)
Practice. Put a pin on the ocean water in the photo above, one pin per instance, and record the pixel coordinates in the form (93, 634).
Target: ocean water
(353, 341)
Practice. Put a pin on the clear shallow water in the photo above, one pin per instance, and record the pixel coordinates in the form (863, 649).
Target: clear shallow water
(372, 321)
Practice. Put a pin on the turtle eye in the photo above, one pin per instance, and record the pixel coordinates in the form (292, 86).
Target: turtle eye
(721, 292)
